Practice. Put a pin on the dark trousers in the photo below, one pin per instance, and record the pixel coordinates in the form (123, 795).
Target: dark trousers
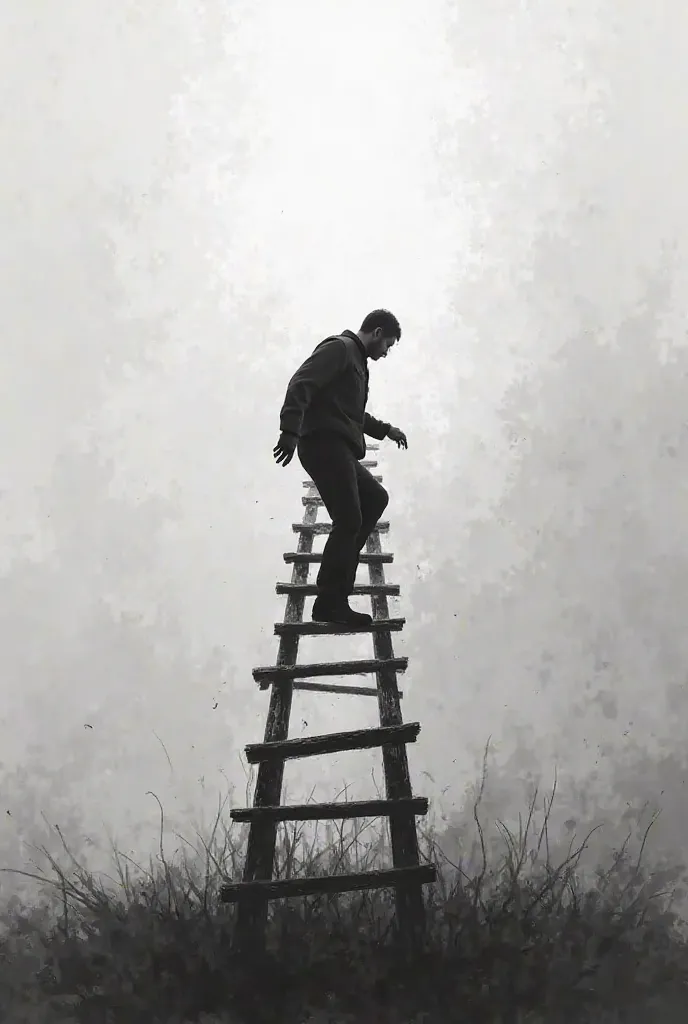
(355, 502)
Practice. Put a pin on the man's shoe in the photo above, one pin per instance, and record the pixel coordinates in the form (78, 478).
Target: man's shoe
(338, 613)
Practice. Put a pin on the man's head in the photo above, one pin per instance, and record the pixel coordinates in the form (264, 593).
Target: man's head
(378, 332)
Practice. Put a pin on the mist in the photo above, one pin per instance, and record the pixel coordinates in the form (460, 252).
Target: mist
(192, 198)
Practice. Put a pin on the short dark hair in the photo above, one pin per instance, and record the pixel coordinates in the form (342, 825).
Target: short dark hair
(384, 319)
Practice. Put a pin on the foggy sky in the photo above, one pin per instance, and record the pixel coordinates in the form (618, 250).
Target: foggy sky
(191, 200)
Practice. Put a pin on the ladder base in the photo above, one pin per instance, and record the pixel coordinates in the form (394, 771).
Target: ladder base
(424, 874)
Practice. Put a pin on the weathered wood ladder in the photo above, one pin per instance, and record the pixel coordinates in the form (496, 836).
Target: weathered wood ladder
(407, 875)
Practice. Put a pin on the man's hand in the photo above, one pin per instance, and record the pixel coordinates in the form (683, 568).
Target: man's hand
(399, 436)
(285, 447)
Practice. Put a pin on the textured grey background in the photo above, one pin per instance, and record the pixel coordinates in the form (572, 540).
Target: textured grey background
(192, 196)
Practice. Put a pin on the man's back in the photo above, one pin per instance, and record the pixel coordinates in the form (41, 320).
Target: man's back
(329, 392)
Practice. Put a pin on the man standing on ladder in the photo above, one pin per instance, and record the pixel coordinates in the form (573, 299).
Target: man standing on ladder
(324, 418)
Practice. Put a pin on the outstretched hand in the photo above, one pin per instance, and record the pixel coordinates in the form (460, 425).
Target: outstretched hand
(399, 436)
(285, 448)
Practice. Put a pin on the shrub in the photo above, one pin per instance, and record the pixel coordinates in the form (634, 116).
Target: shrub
(513, 938)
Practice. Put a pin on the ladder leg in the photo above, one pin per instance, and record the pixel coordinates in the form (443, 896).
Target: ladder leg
(260, 851)
(409, 899)
(252, 912)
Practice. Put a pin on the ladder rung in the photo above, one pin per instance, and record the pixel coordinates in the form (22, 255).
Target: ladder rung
(363, 691)
(333, 629)
(424, 874)
(313, 499)
(310, 746)
(332, 811)
(372, 447)
(312, 557)
(326, 528)
(275, 673)
(376, 476)
(368, 463)
(311, 589)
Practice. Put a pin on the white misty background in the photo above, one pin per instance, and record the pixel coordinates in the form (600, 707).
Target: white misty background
(191, 199)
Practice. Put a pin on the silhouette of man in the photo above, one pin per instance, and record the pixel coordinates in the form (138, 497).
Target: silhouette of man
(324, 418)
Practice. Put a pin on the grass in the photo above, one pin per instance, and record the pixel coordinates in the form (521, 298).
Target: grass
(511, 937)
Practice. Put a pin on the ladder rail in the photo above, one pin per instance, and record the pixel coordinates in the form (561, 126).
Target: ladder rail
(402, 824)
(262, 838)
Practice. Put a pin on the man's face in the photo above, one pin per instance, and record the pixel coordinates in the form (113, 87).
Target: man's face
(381, 345)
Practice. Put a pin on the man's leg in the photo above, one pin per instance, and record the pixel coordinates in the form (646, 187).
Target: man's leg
(333, 468)
(373, 499)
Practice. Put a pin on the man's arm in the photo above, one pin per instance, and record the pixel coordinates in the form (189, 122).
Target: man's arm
(375, 428)
(380, 430)
(322, 366)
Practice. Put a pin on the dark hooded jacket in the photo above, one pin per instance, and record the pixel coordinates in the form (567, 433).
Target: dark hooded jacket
(329, 392)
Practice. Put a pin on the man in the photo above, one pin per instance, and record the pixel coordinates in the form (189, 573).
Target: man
(324, 417)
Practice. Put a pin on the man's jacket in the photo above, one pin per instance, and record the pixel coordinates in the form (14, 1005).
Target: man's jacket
(329, 392)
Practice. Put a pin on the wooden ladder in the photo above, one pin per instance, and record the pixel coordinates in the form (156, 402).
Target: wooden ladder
(407, 876)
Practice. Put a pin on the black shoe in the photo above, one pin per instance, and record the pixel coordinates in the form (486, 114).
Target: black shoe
(339, 613)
